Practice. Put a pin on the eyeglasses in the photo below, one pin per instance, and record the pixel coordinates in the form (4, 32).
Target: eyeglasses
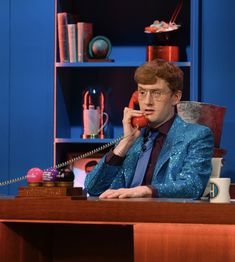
(155, 94)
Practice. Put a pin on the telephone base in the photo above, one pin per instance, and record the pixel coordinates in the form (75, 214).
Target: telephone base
(51, 192)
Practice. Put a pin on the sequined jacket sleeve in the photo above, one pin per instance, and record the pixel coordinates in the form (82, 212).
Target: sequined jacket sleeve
(105, 176)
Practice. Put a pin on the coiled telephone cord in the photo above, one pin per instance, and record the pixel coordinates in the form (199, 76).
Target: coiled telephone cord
(69, 162)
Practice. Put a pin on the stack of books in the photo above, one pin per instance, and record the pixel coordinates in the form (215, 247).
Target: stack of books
(73, 38)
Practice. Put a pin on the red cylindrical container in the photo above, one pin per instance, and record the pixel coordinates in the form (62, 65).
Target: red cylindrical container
(167, 53)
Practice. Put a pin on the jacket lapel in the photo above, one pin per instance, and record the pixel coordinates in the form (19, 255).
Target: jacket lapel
(174, 136)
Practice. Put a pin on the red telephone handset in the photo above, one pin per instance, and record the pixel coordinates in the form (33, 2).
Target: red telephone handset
(141, 121)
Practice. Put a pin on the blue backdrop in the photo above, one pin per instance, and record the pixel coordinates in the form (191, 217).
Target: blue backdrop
(218, 69)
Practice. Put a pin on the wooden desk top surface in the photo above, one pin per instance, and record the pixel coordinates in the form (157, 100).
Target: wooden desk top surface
(127, 211)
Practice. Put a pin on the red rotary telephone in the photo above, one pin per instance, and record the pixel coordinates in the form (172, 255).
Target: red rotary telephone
(141, 121)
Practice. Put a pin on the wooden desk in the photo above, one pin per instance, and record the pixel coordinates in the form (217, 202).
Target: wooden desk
(115, 230)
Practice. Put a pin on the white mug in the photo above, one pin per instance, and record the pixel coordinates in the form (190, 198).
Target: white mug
(219, 190)
(91, 121)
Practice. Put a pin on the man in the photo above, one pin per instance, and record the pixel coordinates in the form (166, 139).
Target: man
(177, 164)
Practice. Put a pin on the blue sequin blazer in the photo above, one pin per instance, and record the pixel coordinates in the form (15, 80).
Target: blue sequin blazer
(182, 170)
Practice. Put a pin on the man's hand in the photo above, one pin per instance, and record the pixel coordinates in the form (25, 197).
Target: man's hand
(139, 191)
(130, 132)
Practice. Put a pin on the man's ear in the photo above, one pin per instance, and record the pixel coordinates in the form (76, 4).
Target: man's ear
(176, 97)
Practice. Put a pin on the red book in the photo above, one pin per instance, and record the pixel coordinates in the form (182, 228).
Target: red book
(63, 20)
(63, 37)
(84, 35)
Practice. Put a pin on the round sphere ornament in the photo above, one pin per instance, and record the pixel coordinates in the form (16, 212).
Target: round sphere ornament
(65, 177)
(49, 175)
(100, 47)
(34, 176)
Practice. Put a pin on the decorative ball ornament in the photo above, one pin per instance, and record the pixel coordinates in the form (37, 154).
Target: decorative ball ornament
(34, 176)
(65, 177)
(100, 47)
(65, 174)
(49, 175)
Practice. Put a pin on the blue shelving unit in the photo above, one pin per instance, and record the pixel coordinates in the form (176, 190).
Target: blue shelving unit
(115, 78)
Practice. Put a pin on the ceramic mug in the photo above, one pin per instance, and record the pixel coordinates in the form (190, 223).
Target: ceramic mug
(92, 120)
(219, 190)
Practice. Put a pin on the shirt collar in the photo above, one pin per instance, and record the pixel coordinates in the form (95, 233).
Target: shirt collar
(164, 128)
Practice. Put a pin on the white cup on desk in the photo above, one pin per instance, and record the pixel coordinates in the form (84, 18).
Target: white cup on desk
(219, 190)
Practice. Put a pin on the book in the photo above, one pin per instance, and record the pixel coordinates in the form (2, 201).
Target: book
(72, 42)
(84, 35)
(62, 19)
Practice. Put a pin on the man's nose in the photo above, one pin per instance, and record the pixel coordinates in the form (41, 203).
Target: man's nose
(148, 98)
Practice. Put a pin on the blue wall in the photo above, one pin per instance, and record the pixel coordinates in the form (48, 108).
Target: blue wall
(218, 69)
(4, 87)
(27, 74)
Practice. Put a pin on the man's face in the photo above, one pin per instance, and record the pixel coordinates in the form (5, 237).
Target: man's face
(158, 102)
